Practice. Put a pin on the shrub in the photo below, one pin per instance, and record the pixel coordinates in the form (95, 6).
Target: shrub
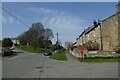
(16, 44)
(118, 50)
(6, 42)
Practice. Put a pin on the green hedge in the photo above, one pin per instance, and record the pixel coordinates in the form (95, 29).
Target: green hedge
(100, 59)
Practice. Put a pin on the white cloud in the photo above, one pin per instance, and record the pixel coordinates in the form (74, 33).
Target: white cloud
(42, 10)
(9, 20)
(67, 25)
(4, 20)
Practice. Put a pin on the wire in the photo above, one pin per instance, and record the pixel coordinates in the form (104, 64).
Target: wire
(15, 17)
(18, 12)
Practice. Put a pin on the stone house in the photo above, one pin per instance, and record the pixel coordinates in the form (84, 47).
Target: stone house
(15, 41)
(106, 33)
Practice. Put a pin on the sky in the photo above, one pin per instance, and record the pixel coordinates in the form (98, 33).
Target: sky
(68, 19)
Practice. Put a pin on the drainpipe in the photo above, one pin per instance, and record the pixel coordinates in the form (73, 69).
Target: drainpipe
(100, 35)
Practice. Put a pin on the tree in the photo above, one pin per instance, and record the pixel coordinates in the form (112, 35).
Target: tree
(58, 44)
(37, 36)
(69, 45)
(6, 42)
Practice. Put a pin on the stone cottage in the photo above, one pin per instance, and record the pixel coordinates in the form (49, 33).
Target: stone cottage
(105, 33)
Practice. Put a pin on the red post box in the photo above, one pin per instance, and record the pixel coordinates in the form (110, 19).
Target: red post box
(81, 50)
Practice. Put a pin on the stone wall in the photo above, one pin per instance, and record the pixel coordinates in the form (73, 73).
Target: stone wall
(109, 31)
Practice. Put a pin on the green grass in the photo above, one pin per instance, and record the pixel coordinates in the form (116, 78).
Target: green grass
(59, 56)
(31, 49)
(99, 60)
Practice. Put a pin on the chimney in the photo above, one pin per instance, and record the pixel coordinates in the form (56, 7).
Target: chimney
(118, 7)
(95, 23)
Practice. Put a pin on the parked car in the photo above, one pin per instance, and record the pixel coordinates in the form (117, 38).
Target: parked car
(6, 51)
(12, 48)
(48, 53)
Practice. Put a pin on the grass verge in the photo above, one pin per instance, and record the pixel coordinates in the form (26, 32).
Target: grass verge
(31, 49)
(99, 60)
(59, 56)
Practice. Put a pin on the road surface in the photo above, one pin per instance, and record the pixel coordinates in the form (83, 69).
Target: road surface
(31, 65)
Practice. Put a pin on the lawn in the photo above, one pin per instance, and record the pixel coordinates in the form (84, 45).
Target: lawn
(31, 49)
(99, 60)
(59, 56)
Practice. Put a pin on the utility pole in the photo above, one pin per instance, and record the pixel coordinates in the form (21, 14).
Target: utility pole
(57, 41)
(57, 37)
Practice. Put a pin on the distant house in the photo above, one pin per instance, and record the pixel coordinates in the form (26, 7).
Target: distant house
(15, 41)
(102, 35)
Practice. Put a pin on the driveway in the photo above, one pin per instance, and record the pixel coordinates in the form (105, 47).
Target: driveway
(31, 65)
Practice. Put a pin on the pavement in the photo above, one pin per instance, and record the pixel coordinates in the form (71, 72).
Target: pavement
(32, 65)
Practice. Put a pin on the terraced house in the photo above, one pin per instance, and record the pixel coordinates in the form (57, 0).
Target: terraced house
(102, 35)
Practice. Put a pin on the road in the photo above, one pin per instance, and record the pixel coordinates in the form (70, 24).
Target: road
(31, 65)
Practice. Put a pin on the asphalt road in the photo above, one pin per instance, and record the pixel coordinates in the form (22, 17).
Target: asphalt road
(31, 65)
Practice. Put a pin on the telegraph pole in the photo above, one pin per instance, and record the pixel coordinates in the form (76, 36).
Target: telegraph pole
(57, 41)
(57, 37)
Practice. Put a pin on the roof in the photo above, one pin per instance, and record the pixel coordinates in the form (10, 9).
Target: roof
(90, 29)
(82, 33)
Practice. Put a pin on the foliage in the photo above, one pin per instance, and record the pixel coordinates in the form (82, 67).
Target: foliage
(118, 50)
(100, 59)
(6, 42)
(16, 44)
(69, 45)
(52, 47)
(55, 47)
(59, 56)
(36, 36)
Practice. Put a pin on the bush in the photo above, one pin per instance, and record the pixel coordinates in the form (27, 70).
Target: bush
(16, 44)
(6, 42)
(118, 50)
(102, 57)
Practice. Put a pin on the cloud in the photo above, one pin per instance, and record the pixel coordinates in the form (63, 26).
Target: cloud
(9, 20)
(42, 10)
(66, 24)
(4, 20)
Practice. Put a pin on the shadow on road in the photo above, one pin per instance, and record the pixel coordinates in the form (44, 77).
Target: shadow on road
(14, 53)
